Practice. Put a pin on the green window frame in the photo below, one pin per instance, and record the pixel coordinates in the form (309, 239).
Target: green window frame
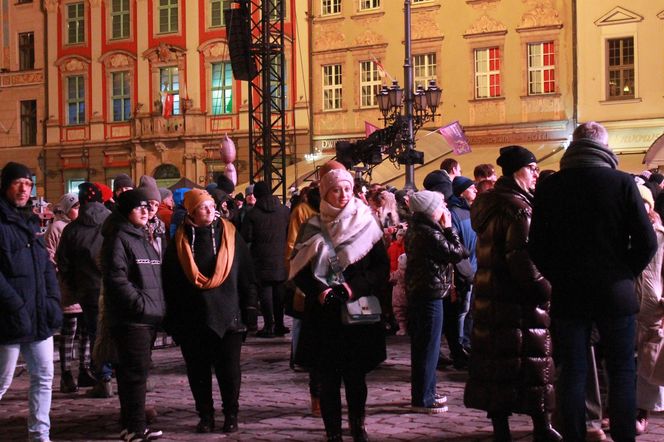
(121, 96)
(120, 19)
(169, 82)
(76, 23)
(222, 88)
(168, 11)
(75, 100)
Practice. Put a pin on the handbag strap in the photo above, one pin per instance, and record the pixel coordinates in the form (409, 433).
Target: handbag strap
(335, 266)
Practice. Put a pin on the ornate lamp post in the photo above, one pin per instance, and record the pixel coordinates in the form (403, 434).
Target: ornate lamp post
(410, 109)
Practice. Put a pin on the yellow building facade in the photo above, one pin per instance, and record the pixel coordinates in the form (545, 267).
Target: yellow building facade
(505, 67)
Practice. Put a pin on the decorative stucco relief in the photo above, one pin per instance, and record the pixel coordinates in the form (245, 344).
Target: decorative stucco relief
(216, 49)
(73, 64)
(368, 37)
(114, 60)
(425, 25)
(164, 53)
(328, 37)
(485, 25)
(543, 15)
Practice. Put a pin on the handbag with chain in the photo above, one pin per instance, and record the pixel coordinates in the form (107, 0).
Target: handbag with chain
(364, 310)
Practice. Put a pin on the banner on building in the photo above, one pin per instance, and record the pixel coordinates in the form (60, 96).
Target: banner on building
(456, 138)
(369, 128)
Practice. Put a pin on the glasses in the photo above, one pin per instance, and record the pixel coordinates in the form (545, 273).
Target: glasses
(533, 169)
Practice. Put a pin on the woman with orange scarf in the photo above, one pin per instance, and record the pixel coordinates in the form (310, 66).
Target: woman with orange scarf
(209, 286)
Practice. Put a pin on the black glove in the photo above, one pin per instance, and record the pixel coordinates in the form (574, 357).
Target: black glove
(339, 295)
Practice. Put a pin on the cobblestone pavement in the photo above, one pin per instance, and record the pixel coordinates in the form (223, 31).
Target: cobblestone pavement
(274, 404)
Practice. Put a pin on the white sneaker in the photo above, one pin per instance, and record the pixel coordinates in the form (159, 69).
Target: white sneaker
(434, 409)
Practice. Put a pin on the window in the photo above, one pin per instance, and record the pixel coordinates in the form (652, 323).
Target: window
(275, 10)
(424, 69)
(487, 72)
(332, 87)
(329, 7)
(222, 89)
(21, 2)
(217, 8)
(75, 100)
(72, 184)
(369, 84)
(168, 16)
(169, 82)
(121, 96)
(421, 1)
(276, 85)
(369, 4)
(620, 66)
(28, 123)
(541, 68)
(26, 51)
(119, 19)
(75, 23)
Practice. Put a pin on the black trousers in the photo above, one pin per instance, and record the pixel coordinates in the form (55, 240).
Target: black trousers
(134, 346)
(330, 397)
(206, 351)
(270, 297)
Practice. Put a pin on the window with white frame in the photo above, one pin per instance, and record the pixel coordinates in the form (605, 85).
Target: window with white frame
(217, 8)
(169, 83)
(424, 69)
(332, 94)
(119, 19)
(120, 96)
(75, 99)
(541, 68)
(620, 68)
(222, 88)
(487, 72)
(168, 16)
(330, 7)
(369, 4)
(75, 23)
(369, 83)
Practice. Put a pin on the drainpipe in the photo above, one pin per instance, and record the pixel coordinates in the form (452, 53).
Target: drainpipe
(310, 20)
(575, 68)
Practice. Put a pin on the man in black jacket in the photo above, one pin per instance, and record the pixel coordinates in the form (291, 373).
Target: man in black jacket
(29, 298)
(79, 273)
(590, 237)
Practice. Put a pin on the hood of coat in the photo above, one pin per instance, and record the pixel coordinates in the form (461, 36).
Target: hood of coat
(93, 214)
(117, 223)
(499, 200)
(268, 203)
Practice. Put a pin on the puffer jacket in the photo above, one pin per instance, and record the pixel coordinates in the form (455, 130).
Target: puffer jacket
(131, 270)
(265, 228)
(431, 251)
(77, 255)
(29, 293)
(511, 368)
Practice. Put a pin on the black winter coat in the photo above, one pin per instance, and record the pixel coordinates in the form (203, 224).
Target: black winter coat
(131, 271)
(29, 293)
(591, 238)
(78, 254)
(430, 250)
(325, 343)
(190, 310)
(511, 368)
(265, 228)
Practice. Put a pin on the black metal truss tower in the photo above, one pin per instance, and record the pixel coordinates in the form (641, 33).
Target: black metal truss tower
(267, 97)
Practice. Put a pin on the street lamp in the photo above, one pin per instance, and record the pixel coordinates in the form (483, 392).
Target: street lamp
(407, 108)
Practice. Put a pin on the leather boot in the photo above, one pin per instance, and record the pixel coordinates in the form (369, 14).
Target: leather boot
(230, 423)
(357, 429)
(543, 431)
(501, 429)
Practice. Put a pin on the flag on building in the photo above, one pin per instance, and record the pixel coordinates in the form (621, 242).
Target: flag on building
(369, 128)
(456, 138)
(166, 104)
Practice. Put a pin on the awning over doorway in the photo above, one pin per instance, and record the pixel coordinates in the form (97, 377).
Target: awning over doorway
(655, 155)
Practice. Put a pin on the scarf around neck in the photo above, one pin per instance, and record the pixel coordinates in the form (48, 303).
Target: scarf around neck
(353, 231)
(225, 256)
(588, 153)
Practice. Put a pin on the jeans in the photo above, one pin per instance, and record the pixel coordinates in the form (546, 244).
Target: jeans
(617, 336)
(205, 351)
(425, 323)
(39, 359)
(91, 314)
(134, 345)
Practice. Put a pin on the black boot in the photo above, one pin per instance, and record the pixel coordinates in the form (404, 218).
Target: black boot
(357, 429)
(230, 423)
(543, 431)
(334, 437)
(501, 429)
(206, 424)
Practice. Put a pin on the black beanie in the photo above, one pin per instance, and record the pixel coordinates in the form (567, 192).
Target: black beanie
(129, 200)
(224, 183)
(460, 184)
(513, 158)
(89, 193)
(439, 181)
(261, 189)
(122, 180)
(14, 171)
(656, 178)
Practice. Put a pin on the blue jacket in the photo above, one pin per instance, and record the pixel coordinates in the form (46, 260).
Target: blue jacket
(461, 222)
(29, 293)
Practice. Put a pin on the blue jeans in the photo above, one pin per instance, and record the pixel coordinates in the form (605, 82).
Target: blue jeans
(617, 336)
(91, 315)
(425, 322)
(39, 360)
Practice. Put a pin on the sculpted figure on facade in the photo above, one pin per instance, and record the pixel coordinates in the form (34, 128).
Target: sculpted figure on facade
(543, 14)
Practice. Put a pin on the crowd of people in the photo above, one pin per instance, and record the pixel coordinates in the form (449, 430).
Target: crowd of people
(536, 279)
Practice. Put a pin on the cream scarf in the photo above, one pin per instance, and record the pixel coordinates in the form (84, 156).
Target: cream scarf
(353, 231)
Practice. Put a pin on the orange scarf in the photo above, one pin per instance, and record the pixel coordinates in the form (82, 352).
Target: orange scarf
(225, 257)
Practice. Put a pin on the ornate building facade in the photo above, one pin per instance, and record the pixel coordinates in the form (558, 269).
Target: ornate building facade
(109, 65)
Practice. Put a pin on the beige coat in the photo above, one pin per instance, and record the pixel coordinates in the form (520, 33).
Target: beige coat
(650, 334)
(52, 239)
